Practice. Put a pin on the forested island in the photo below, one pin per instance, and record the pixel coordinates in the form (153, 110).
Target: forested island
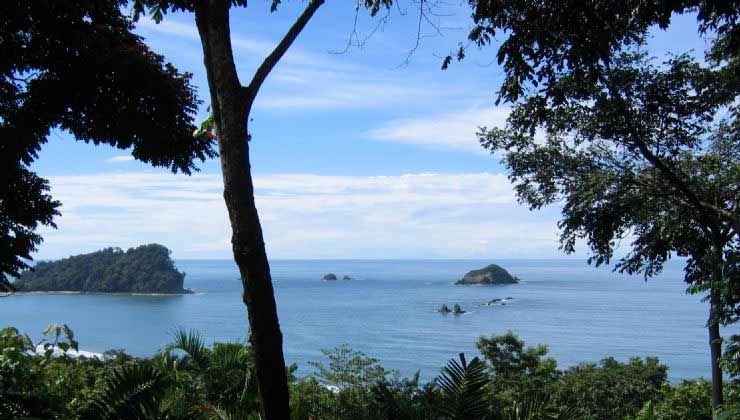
(144, 269)
(492, 274)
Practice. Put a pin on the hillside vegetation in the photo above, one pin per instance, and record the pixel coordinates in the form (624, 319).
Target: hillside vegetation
(144, 269)
(492, 274)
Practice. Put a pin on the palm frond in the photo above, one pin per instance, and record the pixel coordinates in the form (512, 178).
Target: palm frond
(463, 389)
(231, 373)
(193, 344)
(131, 391)
(230, 356)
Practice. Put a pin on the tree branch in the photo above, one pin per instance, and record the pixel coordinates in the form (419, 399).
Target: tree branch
(261, 74)
(682, 186)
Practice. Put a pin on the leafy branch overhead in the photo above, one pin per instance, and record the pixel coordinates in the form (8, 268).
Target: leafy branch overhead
(643, 156)
(535, 41)
(76, 66)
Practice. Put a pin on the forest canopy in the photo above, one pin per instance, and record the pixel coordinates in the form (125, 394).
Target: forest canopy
(144, 269)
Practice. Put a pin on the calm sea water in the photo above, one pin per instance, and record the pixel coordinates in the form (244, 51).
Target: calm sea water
(388, 312)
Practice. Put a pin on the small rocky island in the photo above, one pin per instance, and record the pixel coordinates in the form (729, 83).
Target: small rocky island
(492, 274)
(446, 309)
(332, 276)
(147, 269)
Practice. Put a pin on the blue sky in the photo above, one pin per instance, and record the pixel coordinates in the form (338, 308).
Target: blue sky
(355, 155)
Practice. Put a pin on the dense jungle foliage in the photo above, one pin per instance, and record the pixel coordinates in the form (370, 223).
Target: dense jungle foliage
(189, 379)
(144, 269)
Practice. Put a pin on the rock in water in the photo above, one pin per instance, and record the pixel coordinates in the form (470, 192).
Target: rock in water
(346, 277)
(493, 274)
(329, 276)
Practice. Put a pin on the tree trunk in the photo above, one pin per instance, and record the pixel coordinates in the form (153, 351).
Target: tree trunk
(230, 105)
(715, 339)
(251, 258)
(715, 347)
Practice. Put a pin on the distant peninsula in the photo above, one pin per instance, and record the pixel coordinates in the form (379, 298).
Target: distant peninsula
(147, 269)
(492, 274)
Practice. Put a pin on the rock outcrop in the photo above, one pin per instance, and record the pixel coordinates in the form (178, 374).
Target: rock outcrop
(492, 274)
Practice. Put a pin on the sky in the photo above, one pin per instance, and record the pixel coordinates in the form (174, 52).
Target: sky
(365, 153)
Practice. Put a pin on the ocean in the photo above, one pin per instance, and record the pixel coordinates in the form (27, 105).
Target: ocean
(388, 311)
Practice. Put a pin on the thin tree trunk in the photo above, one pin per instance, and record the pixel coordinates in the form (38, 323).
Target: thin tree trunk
(251, 258)
(715, 339)
(230, 104)
(715, 347)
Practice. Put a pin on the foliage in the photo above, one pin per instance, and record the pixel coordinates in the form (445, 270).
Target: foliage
(688, 400)
(463, 388)
(536, 44)
(611, 389)
(349, 368)
(130, 392)
(144, 269)
(192, 380)
(518, 372)
(36, 383)
(639, 154)
(535, 408)
(76, 66)
(344, 384)
(220, 377)
(491, 274)
(611, 189)
(729, 412)
(404, 400)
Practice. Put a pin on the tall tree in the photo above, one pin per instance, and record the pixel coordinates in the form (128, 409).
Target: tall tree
(231, 103)
(636, 151)
(75, 65)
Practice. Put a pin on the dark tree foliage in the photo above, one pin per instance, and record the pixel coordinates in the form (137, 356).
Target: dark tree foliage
(144, 269)
(518, 372)
(636, 157)
(24, 205)
(539, 43)
(648, 156)
(612, 390)
(638, 152)
(75, 65)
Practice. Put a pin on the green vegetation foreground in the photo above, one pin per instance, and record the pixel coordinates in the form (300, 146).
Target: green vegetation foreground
(189, 380)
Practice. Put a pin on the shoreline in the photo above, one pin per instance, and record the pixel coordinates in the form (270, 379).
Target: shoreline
(71, 292)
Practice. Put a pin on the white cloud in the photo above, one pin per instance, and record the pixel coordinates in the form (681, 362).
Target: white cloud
(303, 215)
(262, 47)
(341, 95)
(189, 31)
(451, 130)
(122, 158)
(308, 80)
